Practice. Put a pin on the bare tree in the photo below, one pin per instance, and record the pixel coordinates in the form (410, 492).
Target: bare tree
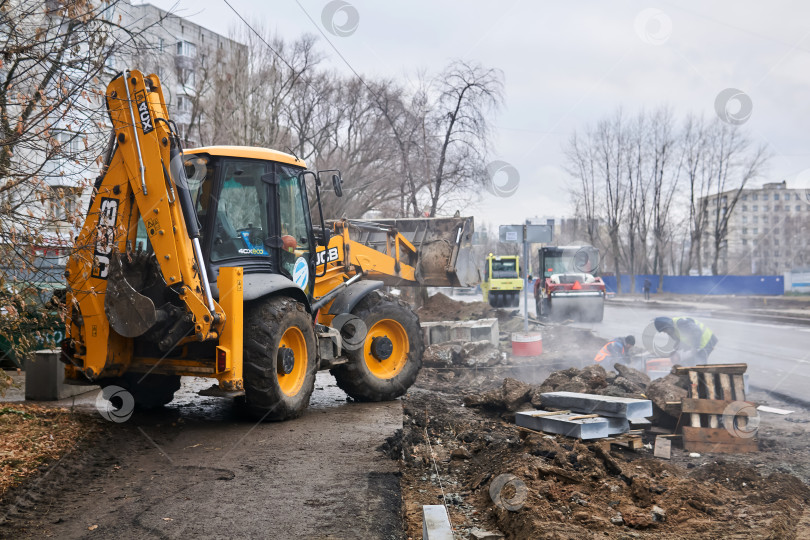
(54, 57)
(735, 162)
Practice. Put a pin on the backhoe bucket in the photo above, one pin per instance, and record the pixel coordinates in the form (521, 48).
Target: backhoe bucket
(130, 313)
(444, 256)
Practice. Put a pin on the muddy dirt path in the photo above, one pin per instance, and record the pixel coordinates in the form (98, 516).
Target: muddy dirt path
(198, 469)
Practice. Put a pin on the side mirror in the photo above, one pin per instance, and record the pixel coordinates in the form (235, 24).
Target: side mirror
(337, 183)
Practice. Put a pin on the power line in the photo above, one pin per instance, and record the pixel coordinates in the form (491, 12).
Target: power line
(345, 61)
(263, 40)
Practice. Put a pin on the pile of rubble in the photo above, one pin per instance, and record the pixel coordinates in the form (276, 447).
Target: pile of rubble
(514, 395)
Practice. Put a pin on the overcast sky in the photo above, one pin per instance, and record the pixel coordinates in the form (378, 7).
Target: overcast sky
(566, 65)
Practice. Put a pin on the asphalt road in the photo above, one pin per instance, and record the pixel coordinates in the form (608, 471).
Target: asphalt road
(198, 470)
(778, 355)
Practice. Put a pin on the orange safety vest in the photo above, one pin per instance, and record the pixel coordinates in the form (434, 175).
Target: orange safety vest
(610, 349)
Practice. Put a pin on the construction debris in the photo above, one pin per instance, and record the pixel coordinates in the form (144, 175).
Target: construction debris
(576, 425)
(510, 396)
(603, 405)
(464, 331)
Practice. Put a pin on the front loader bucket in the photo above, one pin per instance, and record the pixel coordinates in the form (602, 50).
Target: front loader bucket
(444, 256)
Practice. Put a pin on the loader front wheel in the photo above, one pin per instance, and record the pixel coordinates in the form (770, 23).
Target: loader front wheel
(384, 352)
(280, 362)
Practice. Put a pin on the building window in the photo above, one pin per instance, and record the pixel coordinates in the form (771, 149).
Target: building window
(756, 230)
(755, 196)
(745, 208)
(745, 242)
(777, 208)
(745, 219)
(184, 48)
(798, 208)
(183, 104)
(756, 208)
(764, 219)
(756, 219)
(745, 197)
(764, 196)
(766, 208)
(161, 45)
(776, 231)
(776, 241)
(745, 231)
(796, 197)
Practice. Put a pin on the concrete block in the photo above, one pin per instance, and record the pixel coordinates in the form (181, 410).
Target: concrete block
(460, 333)
(565, 424)
(436, 523)
(45, 378)
(601, 405)
(476, 330)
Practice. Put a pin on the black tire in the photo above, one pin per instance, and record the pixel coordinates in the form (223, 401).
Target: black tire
(266, 323)
(150, 391)
(516, 299)
(493, 299)
(355, 378)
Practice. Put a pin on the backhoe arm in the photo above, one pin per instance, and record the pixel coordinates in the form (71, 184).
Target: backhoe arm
(145, 179)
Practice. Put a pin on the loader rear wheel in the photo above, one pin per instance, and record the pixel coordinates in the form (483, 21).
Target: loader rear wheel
(385, 362)
(280, 362)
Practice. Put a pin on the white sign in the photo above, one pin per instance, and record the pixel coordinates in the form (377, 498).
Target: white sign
(301, 273)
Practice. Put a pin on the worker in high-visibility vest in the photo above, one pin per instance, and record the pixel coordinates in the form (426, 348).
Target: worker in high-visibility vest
(694, 341)
(615, 350)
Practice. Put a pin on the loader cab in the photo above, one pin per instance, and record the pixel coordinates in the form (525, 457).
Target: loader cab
(253, 210)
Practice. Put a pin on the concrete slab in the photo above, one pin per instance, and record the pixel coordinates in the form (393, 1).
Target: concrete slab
(436, 523)
(475, 330)
(45, 378)
(565, 424)
(595, 404)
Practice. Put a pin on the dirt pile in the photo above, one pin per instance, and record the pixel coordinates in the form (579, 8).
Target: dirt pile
(514, 395)
(440, 307)
(563, 488)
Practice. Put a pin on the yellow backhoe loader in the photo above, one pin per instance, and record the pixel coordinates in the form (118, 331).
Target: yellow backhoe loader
(206, 263)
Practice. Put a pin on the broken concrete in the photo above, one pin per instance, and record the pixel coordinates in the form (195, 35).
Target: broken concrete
(510, 396)
(666, 394)
(466, 354)
(595, 404)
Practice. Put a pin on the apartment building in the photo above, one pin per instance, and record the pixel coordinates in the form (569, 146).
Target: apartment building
(180, 53)
(767, 230)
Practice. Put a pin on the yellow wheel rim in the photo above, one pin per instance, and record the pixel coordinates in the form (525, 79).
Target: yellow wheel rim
(381, 364)
(291, 383)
